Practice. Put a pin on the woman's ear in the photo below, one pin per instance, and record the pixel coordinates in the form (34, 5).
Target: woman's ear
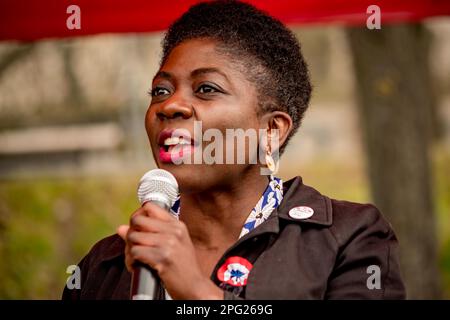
(280, 121)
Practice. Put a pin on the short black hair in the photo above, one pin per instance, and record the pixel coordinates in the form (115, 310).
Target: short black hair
(269, 50)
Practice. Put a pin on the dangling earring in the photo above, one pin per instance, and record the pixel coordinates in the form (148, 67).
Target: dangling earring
(270, 162)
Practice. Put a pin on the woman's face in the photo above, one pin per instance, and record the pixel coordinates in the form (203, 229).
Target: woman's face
(197, 83)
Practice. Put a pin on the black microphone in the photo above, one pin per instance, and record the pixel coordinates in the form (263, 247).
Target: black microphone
(160, 187)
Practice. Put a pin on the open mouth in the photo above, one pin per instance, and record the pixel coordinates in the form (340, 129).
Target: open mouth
(173, 146)
(170, 143)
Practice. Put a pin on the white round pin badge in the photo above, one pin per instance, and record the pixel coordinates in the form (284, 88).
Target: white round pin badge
(301, 212)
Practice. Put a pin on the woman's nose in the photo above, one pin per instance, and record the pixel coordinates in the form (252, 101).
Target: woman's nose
(175, 107)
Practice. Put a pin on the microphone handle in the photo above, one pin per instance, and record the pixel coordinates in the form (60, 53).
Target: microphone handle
(145, 282)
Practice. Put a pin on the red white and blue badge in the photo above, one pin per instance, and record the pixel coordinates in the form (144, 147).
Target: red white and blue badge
(235, 271)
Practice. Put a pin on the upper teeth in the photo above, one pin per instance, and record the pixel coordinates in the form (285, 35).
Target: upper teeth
(175, 140)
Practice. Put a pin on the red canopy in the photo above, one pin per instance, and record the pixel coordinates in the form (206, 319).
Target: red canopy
(36, 19)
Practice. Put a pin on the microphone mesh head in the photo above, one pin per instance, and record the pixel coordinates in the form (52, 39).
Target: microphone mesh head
(158, 185)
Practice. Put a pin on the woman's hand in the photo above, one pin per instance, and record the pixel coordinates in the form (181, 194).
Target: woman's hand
(157, 239)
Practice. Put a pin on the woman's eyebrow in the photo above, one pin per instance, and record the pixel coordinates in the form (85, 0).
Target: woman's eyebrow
(202, 71)
(163, 74)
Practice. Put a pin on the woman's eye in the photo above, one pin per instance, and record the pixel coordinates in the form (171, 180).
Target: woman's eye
(158, 91)
(206, 89)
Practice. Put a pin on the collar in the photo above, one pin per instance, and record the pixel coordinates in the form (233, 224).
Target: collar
(296, 194)
(269, 201)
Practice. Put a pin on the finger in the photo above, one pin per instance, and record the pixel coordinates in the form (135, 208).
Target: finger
(139, 211)
(122, 231)
(129, 261)
(152, 210)
(151, 256)
(145, 238)
(150, 224)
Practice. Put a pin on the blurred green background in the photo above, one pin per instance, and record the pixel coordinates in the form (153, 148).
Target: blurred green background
(73, 145)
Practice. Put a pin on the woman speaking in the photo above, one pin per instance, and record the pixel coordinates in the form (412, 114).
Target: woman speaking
(241, 234)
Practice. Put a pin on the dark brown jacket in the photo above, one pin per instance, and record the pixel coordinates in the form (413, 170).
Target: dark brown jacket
(334, 254)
